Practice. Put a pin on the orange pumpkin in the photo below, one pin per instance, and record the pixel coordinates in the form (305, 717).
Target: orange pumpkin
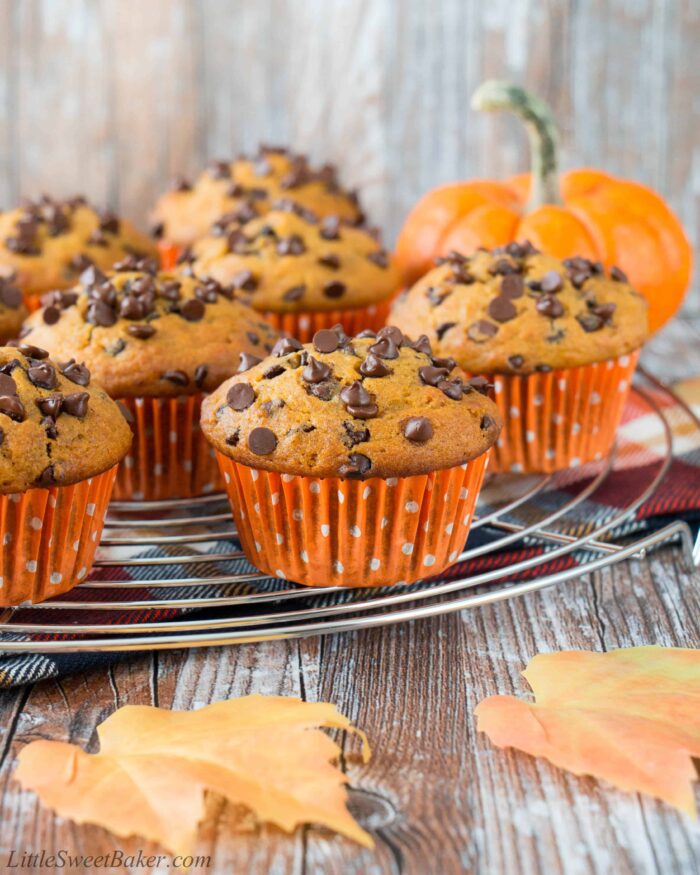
(583, 212)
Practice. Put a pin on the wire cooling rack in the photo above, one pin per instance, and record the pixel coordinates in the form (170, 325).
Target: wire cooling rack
(172, 574)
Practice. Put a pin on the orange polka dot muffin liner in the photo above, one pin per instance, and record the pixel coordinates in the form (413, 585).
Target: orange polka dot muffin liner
(169, 457)
(49, 538)
(169, 254)
(357, 533)
(560, 419)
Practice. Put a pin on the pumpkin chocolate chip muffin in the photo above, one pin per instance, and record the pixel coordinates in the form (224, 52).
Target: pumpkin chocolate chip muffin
(186, 213)
(46, 244)
(300, 271)
(352, 461)
(12, 310)
(61, 437)
(564, 335)
(157, 342)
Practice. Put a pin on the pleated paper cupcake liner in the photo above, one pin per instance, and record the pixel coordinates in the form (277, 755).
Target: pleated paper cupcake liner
(561, 419)
(49, 538)
(169, 457)
(336, 532)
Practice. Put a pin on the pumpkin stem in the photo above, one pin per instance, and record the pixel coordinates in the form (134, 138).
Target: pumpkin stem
(541, 129)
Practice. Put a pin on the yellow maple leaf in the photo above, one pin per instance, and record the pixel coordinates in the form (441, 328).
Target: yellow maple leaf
(631, 717)
(154, 766)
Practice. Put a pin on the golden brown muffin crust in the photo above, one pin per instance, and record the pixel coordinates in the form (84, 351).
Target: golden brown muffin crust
(47, 243)
(57, 427)
(371, 406)
(515, 310)
(289, 261)
(150, 334)
(185, 214)
(12, 310)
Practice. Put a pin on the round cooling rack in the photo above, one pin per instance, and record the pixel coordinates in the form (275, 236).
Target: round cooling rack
(172, 574)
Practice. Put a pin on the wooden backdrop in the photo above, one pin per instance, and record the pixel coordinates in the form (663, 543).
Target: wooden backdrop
(113, 97)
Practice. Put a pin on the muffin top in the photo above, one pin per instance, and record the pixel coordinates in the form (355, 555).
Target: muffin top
(288, 260)
(516, 310)
(149, 334)
(47, 243)
(12, 311)
(185, 214)
(372, 406)
(56, 426)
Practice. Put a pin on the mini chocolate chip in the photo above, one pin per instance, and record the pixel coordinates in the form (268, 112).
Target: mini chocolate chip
(451, 388)
(295, 293)
(200, 375)
(233, 439)
(43, 375)
(543, 369)
(7, 385)
(101, 314)
(323, 391)
(380, 258)
(31, 352)
(590, 322)
(247, 361)
(549, 306)
(432, 376)
(516, 361)
(436, 296)
(357, 465)
(142, 332)
(334, 289)
(512, 285)
(384, 348)
(487, 422)
(315, 371)
(373, 366)
(50, 406)
(47, 477)
(285, 345)
(76, 373)
(330, 228)
(418, 429)
(551, 282)
(76, 404)
(178, 378)
(240, 396)
(253, 338)
(354, 436)
(292, 245)
(618, 275)
(442, 330)
(331, 261)
(192, 310)
(262, 441)
(326, 340)
(502, 309)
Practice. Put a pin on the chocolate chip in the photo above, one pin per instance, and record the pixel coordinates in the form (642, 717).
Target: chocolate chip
(551, 282)
(233, 439)
(392, 332)
(481, 331)
(292, 245)
(331, 261)
(449, 363)
(31, 352)
(247, 361)
(366, 334)
(178, 378)
(605, 311)
(217, 169)
(2, 437)
(142, 332)
(432, 376)
(354, 436)
(323, 391)
(192, 310)
(47, 477)
(477, 384)
(240, 396)
(51, 315)
(273, 371)
(358, 402)
(418, 429)
(11, 296)
(109, 222)
(549, 306)
(618, 275)
(262, 441)
(326, 340)
(357, 465)
(76, 373)
(315, 371)
(487, 422)
(43, 375)
(451, 388)
(442, 330)
(11, 406)
(334, 289)
(502, 309)
(422, 345)
(285, 345)
(380, 258)
(100, 313)
(373, 366)
(295, 293)
(590, 322)
(516, 361)
(543, 369)
(244, 279)
(7, 385)
(200, 375)
(512, 285)
(253, 338)
(503, 267)
(76, 404)
(50, 406)
(330, 228)
(436, 296)
(384, 348)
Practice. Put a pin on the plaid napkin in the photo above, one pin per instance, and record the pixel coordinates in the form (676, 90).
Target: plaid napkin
(642, 445)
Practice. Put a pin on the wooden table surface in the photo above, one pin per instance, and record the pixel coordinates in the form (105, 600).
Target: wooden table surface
(438, 797)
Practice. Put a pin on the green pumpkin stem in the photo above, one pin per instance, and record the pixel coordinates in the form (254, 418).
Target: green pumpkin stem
(537, 117)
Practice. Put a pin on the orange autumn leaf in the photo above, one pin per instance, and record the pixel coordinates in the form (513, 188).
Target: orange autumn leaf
(154, 766)
(631, 717)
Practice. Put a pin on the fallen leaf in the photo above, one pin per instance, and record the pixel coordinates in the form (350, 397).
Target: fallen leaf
(631, 717)
(154, 766)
